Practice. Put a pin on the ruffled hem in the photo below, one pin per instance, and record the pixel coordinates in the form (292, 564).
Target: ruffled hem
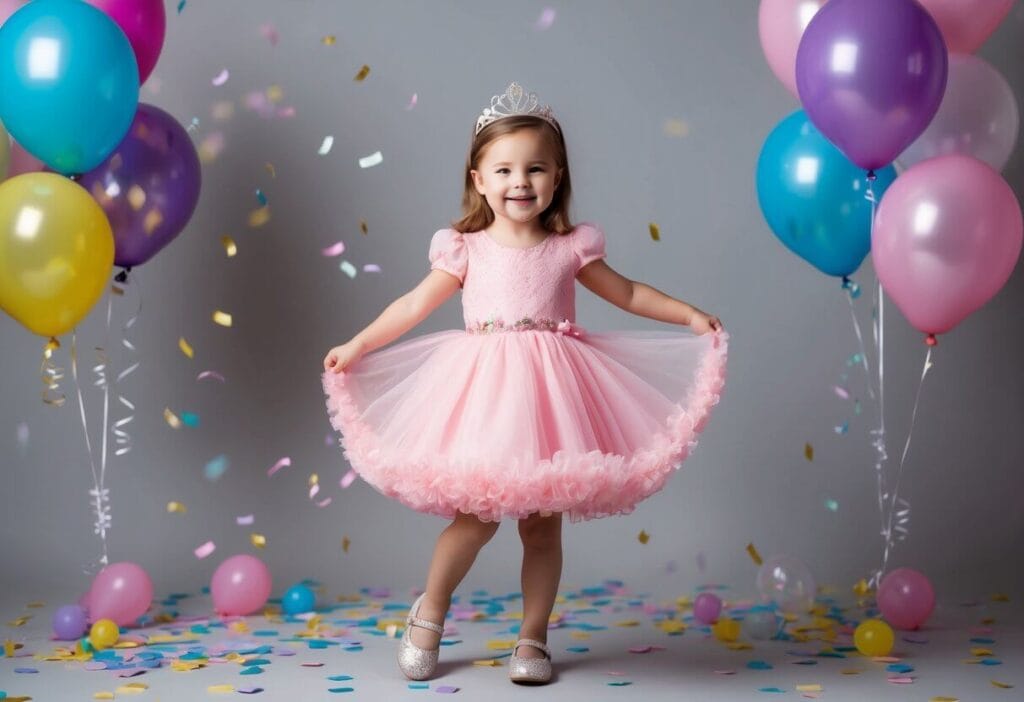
(581, 485)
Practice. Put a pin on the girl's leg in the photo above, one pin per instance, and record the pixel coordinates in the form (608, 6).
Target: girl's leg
(454, 553)
(542, 570)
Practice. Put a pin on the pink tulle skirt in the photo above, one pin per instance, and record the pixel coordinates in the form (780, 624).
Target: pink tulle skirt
(512, 423)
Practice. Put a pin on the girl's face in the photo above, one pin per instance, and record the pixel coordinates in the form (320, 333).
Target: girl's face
(517, 175)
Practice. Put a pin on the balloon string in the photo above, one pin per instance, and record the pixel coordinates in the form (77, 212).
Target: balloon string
(50, 374)
(99, 496)
(121, 435)
(904, 513)
(860, 342)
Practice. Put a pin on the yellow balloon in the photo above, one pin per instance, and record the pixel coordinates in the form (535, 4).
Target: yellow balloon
(104, 634)
(726, 629)
(56, 252)
(873, 637)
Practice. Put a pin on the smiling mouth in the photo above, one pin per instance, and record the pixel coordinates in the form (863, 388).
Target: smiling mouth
(520, 199)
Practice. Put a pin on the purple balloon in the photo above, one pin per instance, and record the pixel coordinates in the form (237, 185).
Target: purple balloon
(69, 622)
(707, 607)
(148, 186)
(871, 75)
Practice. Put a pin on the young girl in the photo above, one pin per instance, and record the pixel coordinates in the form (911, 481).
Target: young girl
(522, 414)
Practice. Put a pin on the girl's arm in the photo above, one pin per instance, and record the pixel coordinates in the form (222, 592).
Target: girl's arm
(642, 299)
(407, 311)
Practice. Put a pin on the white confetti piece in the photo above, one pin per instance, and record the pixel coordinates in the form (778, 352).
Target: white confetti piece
(221, 78)
(371, 160)
(371, 268)
(348, 269)
(325, 146)
(245, 520)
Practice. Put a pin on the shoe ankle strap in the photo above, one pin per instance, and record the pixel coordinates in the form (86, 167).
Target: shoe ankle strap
(539, 645)
(416, 621)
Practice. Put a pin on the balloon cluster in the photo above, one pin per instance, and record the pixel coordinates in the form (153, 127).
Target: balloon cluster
(70, 72)
(884, 81)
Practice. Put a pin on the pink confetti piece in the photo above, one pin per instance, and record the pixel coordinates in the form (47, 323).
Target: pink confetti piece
(901, 679)
(446, 689)
(286, 112)
(286, 461)
(270, 34)
(842, 392)
(640, 649)
(412, 102)
(334, 249)
(245, 520)
(324, 502)
(211, 374)
(614, 672)
(313, 490)
(546, 19)
(205, 550)
(348, 478)
(221, 78)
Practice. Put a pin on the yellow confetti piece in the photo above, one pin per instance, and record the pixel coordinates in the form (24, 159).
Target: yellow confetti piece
(270, 169)
(580, 635)
(363, 72)
(35, 605)
(9, 648)
(185, 347)
(172, 419)
(134, 688)
(275, 93)
(500, 644)
(239, 627)
(738, 646)
(671, 626)
(1001, 685)
(220, 688)
(329, 40)
(754, 555)
(230, 248)
(861, 587)
(313, 479)
(655, 231)
(103, 695)
(258, 540)
(345, 543)
(676, 128)
(981, 652)
(364, 227)
(314, 622)
(259, 216)
(488, 662)
(943, 698)
(627, 622)
(222, 318)
(851, 671)
(1000, 597)
(808, 452)
(185, 666)
(176, 508)
(20, 621)
(643, 537)
(812, 687)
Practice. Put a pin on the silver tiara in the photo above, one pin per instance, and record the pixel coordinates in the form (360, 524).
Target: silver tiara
(513, 103)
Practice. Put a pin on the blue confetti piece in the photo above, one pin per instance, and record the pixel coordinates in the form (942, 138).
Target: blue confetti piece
(991, 661)
(419, 686)
(261, 197)
(770, 689)
(190, 418)
(181, 6)
(341, 689)
(339, 678)
(899, 668)
(620, 683)
(216, 467)
(251, 670)
(577, 649)
(265, 632)
(257, 661)
(28, 671)
(354, 648)
(759, 665)
(982, 640)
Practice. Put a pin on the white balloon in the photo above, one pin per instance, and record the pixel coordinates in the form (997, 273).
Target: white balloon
(787, 582)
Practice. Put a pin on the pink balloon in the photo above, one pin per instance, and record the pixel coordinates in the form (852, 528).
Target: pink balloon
(946, 238)
(240, 585)
(122, 592)
(966, 24)
(9, 7)
(780, 24)
(22, 161)
(978, 116)
(906, 598)
(706, 607)
(144, 23)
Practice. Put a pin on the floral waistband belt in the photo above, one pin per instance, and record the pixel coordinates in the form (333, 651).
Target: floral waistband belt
(497, 325)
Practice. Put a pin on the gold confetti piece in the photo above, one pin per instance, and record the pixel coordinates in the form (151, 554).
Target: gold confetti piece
(239, 627)
(851, 671)
(1002, 685)
(627, 622)
(363, 72)
(103, 695)
(738, 646)
(812, 687)
(981, 652)
(134, 688)
(808, 452)
(364, 227)
(9, 648)
(943, 698)
(176, 508)
(185, 666)
(671, 626)
(20, 621)
(314, 479)
(754, 555)
(500, 644)
(275, 93)
(270, 169)
(643, 537)
(676, 128)
(1000, 597)
(185, 347)
(988, 621)
(222, 318)
(329, 40)
(35, 605)
(345, 543)
(488, 662)
(314, 622)
(580, 635)
(655, 231)
(229, 246)
(259, 217)
(220, 688)
(258, 540)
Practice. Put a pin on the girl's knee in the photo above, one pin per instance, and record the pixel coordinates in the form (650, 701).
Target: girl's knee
(479, 530)
(541, 532)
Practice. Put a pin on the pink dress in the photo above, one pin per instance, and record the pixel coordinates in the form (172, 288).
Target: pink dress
(523, 411)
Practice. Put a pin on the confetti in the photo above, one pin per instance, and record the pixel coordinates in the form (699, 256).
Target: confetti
(363, 72)
(1001, 685)
(205, 550)
(348, 269)
(325, 146)
(412, 101)
(371, 160)
(842, 392)
(230, 248)
(270, 34)
(754, 555)
(281, 463)
(808, 452)
(900, 679)
(222, 318)
(221, 78)
(216, 467)
(210, 374)
(334, 249)
(446, 689)
(176, 508)
(261, 197)
(345, 543)
(258, 540)
(943, 698)
(185, 347)
(676, 128)
(259, 217)
(134, 688)
(270, 169)
(329, 40)
(810, 687)
(217, 689)
(546, 19)
(371, 268)
(171, 419)
(643, 537)
(655, 231)
(831, 505)
(245, 520)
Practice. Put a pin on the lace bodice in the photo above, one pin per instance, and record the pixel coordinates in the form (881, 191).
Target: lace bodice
(502, 285)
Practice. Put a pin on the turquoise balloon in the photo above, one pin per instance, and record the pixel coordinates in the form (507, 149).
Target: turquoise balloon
(69, 83)
(814, 198)
(298, 599)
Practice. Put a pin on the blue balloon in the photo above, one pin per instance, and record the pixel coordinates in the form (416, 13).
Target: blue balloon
(814, 198)
(298, 599)
(69, 83)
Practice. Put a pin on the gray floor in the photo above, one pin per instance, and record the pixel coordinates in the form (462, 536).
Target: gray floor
(608, 623)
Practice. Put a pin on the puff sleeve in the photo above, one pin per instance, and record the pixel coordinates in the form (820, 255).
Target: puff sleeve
(448, 253)
(588, 244)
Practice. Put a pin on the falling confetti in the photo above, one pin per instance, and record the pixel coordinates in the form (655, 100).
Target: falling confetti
(348, 478)
(371, 160)
(270, 34)
(329, 40)
(261, 197)
(185, 347)
(546, 19)
(281, 463)
(808, 452)
(222, 318)
(832, 505)
(270, 169)
(258, 540)
(221, 78)
(245, 520)
(364, 227)
(363, 72)
(176, 508)
(371, 268)
(216, 467)
(210, 374)
(334, 249)
(205, 550)
(412, 101)
(643, 537)
(325, 146)
(259, 217)
(345, 543)
(230, 248)
(754, 555)
(655, 231)
(676, 128)
(172, 419)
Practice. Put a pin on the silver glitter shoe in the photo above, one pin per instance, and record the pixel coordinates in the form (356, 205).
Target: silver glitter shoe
(530, 670)
(415, 662)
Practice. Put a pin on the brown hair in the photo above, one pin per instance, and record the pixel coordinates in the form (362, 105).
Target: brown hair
(477, 214)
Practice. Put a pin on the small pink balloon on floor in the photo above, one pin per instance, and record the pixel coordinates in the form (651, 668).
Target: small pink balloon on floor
(906, 598)
(240, 585)
(706, 608)
(121, 592)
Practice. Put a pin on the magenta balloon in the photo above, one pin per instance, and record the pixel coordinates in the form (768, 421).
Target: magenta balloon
(9, 7)
(121, 592)
(780, 24)
(906, 598)
(706, 607)
(871, 75)
(966, 24)
(240, 585)
(946, 238)
(144, 23)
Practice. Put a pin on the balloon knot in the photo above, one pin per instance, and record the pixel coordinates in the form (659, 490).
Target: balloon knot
(123, 275)
(871, 175)
(931, 340)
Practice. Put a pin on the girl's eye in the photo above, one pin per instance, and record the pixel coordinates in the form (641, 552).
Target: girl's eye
(502, 170)
(537, 169)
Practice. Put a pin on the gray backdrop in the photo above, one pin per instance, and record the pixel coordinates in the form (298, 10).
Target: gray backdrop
(614, 72)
